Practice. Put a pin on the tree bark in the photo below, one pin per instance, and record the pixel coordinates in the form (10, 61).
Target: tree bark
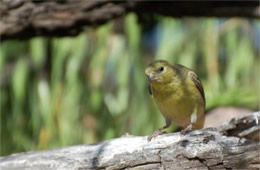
(23, 19)
(235, 145)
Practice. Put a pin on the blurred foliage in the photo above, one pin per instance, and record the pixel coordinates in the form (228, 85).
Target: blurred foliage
(84, 89)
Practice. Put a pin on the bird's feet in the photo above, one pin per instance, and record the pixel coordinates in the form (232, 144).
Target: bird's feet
(186, 130)
(154, 135)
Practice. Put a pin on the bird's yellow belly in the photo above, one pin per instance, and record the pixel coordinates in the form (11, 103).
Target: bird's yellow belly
(178, 107)
(177, 111)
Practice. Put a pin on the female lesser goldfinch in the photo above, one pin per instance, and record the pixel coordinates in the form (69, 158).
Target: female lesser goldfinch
(179, 94)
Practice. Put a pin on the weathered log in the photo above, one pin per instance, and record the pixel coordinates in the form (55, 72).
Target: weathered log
(200, 149)
(22, 19)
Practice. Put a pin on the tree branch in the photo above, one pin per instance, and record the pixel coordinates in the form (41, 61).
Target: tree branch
(23, 19)
(200, 149)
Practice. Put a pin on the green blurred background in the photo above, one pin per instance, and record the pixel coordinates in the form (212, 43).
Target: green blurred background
(79, 90)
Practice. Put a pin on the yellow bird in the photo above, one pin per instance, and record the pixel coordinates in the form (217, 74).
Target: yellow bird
(179, 94)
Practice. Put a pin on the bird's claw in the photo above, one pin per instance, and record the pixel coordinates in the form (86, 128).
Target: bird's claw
(186, 130)
(153, 135)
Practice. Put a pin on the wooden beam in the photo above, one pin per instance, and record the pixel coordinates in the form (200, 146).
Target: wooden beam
(23, 19)
(200, 149)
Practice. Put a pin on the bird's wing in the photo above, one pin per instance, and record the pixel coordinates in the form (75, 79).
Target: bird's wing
(150, 89)
(198, 84)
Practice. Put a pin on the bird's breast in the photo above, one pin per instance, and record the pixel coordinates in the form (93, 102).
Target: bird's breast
(175, 103)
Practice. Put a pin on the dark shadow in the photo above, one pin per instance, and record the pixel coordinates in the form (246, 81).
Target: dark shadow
(95, 160)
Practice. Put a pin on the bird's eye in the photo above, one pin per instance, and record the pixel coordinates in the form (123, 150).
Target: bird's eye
(161, 68)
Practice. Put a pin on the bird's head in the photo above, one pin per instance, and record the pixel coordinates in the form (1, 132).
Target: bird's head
(159, 72)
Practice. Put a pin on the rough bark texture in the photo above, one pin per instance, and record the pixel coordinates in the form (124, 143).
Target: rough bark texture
(201, 149)
(21, 19)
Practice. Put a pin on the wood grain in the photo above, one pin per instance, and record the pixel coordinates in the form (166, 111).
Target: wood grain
(201, 149)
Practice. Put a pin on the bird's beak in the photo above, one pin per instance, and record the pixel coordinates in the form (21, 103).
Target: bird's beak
(150, 75)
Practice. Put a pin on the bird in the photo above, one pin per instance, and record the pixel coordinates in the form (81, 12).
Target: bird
(179, 94)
